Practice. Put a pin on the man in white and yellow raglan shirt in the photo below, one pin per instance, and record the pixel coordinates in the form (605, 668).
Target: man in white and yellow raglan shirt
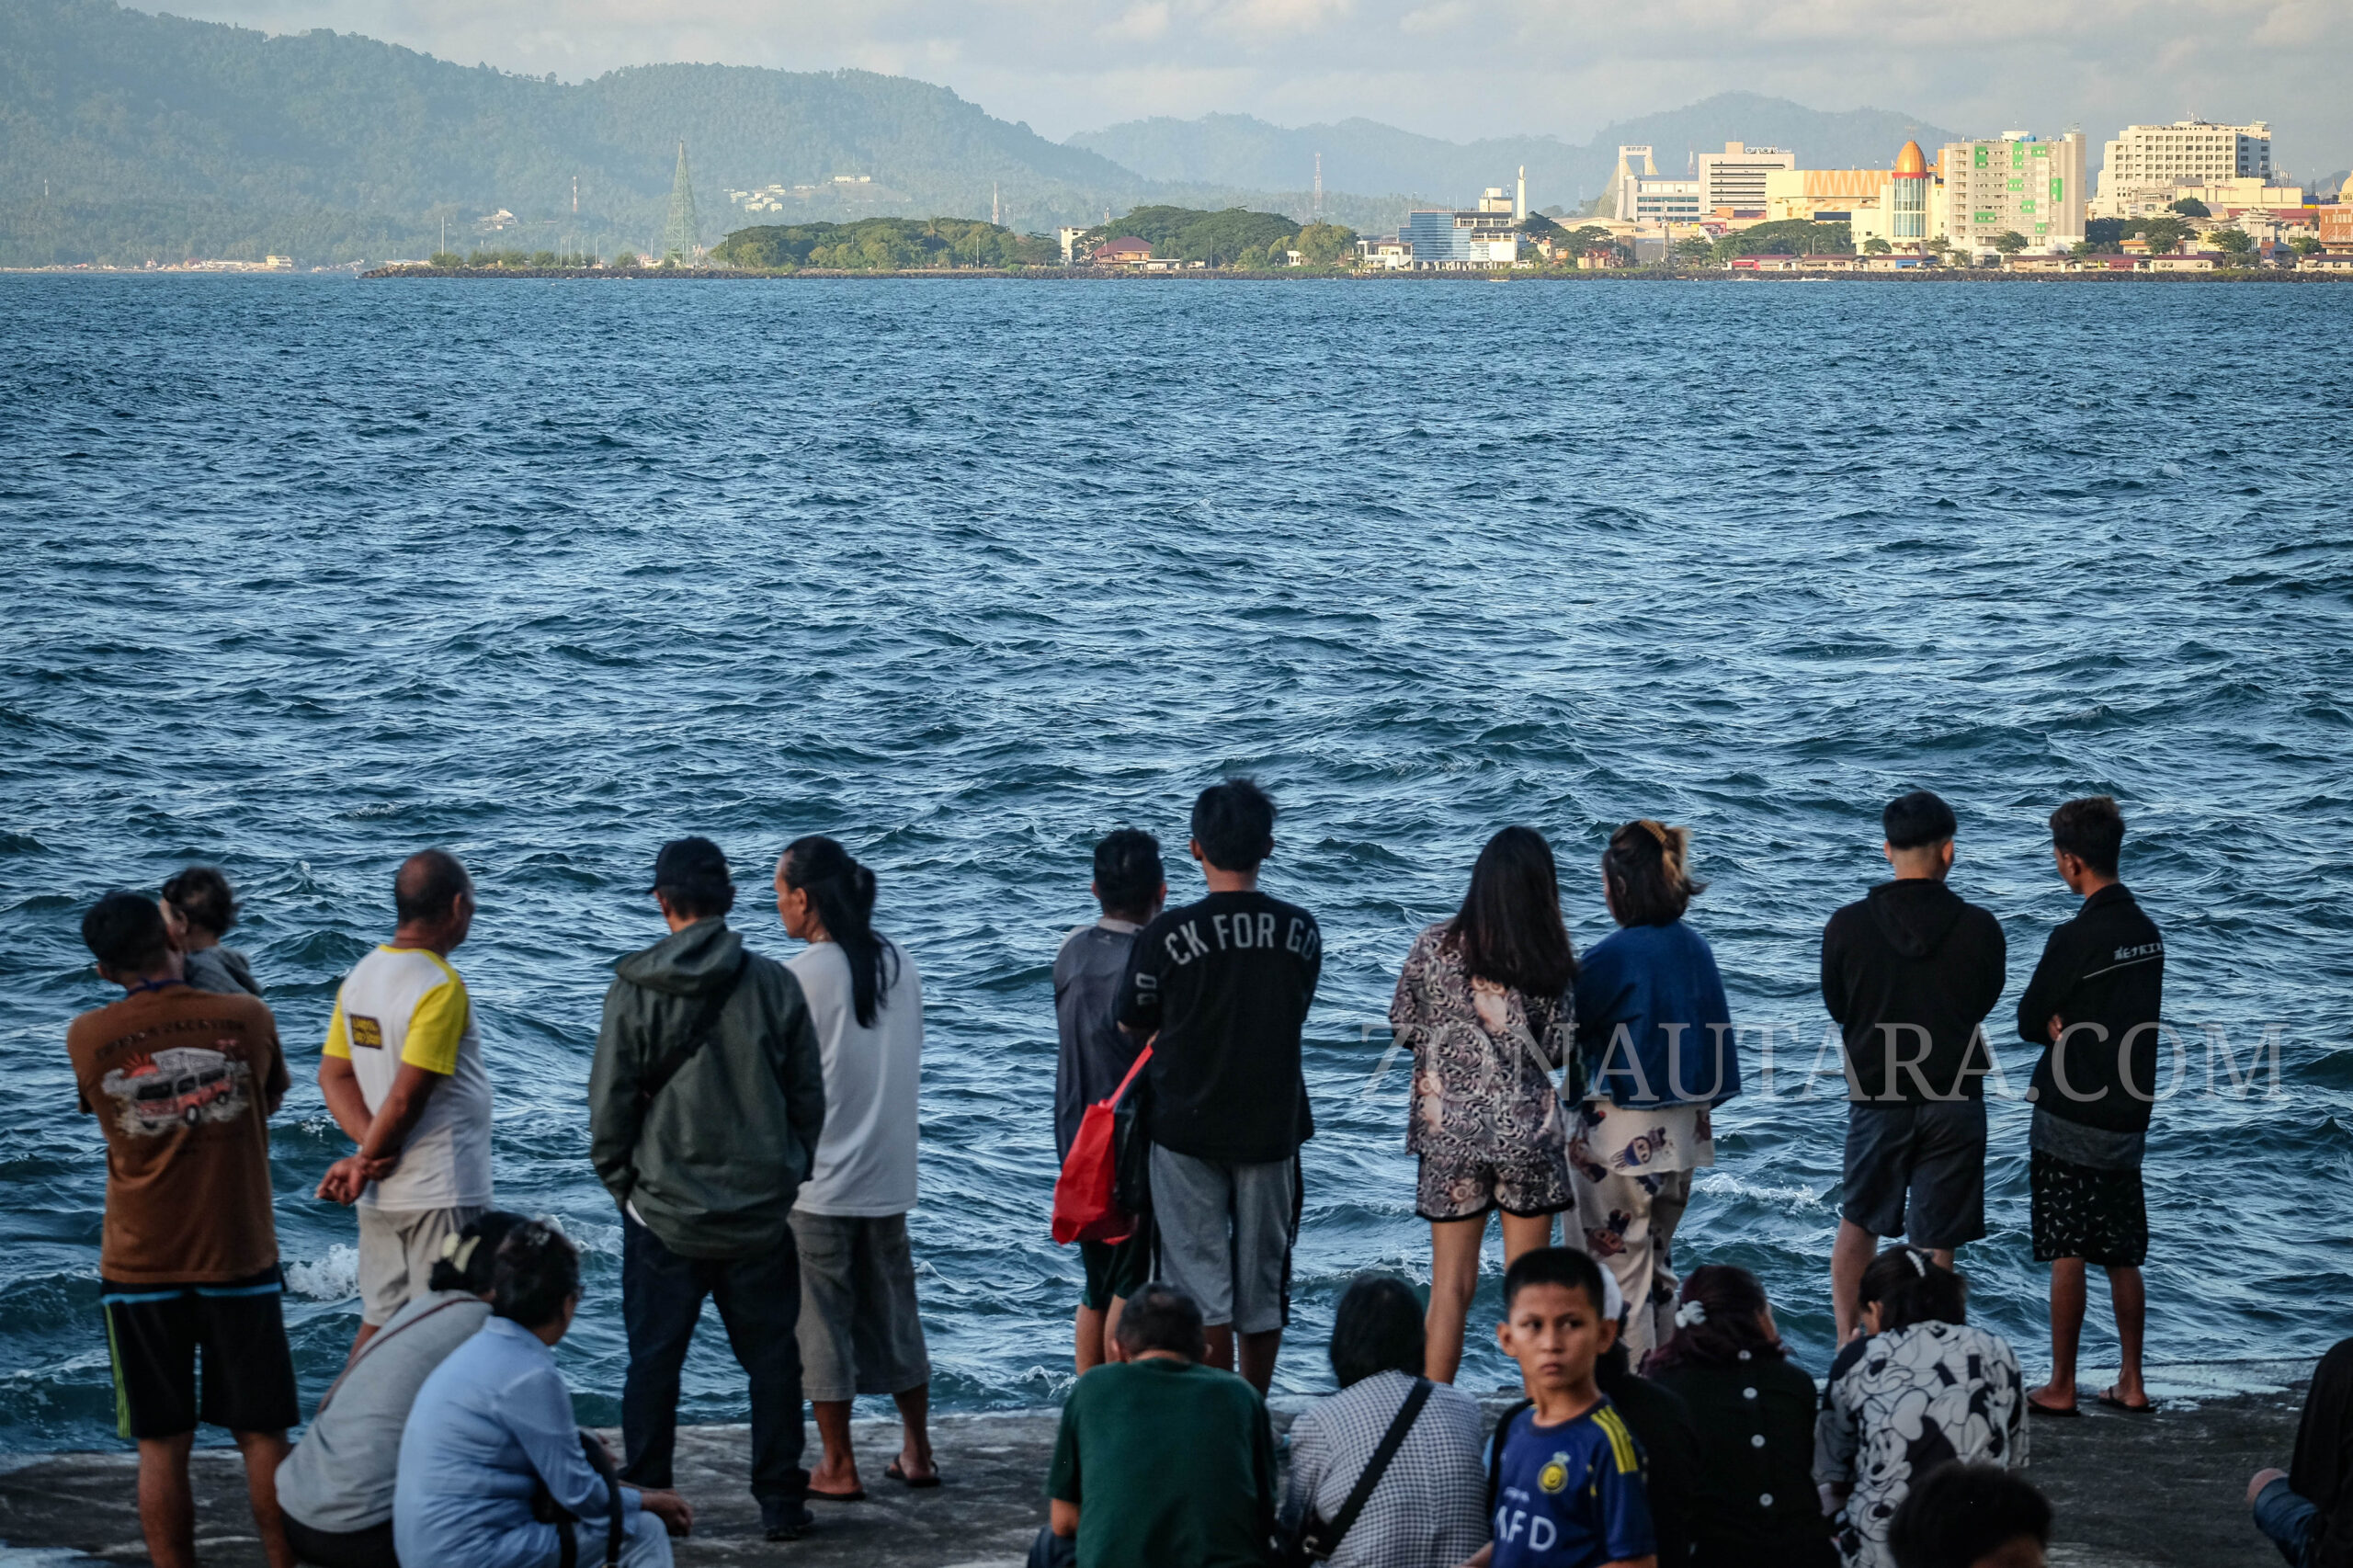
(403, 1075)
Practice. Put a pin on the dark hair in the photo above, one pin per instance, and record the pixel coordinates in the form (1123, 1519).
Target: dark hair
(468, 1259)
(201, 894)
(125, 932)
(427, 883)
(691, 876)
(1159, 1317)
(1128, 872)
(1508, 929)
(1911, 1287)
(1376, 1329)
(1648, 870)
(1554, 1265)
(2092, 830)
(1917, 819)
(1733, 1327)
(1956, 1515)
(1234, 825)
(843, 891)
(535, 1270)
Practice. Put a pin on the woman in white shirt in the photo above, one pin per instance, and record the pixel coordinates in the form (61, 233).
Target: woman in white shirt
(859, 1332)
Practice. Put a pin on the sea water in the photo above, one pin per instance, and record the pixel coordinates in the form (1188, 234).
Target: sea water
(303, 575)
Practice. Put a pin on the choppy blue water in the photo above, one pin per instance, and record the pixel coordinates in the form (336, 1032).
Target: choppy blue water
(304, 575)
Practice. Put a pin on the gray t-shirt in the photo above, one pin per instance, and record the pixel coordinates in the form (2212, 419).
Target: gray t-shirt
(1095, 1051)
(223, 971)
(339, 1478)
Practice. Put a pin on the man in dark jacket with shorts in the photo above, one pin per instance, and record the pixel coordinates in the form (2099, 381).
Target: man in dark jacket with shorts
(1225, 984)
(1909, 973)
(2093, 1005)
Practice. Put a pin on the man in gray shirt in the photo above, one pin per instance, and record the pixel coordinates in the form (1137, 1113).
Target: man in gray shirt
(1130, 884)
(336, 1486)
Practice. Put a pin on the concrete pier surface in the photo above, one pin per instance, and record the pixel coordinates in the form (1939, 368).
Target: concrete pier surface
(2152, 1491)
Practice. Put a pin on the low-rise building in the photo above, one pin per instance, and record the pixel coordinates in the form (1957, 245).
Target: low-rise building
(1443, 238)
(1821, 196)
(1123, 252)
(1069, 236)
(2335, 225)
(2203, 261)
(1390, 254)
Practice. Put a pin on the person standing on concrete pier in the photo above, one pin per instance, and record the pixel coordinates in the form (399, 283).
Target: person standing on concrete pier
(1909, 975)
(2093, 1006)
(403, 1075)
(184, 1083)
(1226, 983)
(859, 1329)
(705, 1105)
(1096, 1053)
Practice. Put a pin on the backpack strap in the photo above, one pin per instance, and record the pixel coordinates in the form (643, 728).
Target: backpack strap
(1376, 1466)
(1495, 1452)
(706, 1019)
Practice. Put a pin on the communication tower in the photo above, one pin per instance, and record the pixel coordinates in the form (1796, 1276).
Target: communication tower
(1319, 188)
(681, 236)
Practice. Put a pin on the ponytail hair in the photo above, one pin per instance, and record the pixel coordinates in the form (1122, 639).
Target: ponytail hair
(843, 893)
(1720, 1322)
(1911, 1287)
(1647, 867)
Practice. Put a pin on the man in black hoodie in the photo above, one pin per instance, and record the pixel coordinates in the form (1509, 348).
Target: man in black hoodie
(2092, 1005)
(1909, 973)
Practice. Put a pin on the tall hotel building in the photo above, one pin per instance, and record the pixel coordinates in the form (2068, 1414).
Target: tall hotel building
(2013, 184)
(2148, 159)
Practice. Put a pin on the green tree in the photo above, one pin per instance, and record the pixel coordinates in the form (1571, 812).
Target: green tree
(2009, 241)
(1694, 248)
(1875, 247)
(2236, 244)
(626, 261)
(1323, 244)
(2190, 207)
(2164, 235)
(2306, 244)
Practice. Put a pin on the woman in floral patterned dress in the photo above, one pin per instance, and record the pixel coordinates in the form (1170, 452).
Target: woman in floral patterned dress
(1483, 1003)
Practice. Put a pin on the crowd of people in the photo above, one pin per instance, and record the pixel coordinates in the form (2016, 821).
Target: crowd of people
(755, 1123)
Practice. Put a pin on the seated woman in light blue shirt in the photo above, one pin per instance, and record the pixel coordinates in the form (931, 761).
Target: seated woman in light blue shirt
(493, 1423)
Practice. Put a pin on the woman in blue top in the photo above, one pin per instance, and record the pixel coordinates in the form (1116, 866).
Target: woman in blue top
(1655, 1037)
(493, 1425)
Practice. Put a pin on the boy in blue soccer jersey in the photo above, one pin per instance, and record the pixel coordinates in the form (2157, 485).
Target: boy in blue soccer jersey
(1564, 1476)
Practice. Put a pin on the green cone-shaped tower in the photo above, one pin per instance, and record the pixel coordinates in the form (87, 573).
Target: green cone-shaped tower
(681, 236)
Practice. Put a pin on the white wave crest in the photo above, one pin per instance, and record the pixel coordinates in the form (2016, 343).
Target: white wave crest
(1724, 1184)
(334, 1278)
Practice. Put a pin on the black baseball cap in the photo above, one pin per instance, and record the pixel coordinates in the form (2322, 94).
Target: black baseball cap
(692, 863)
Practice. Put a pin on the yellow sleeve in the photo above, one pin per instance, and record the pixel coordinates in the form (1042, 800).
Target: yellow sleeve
(338, 1033)
(435, 1027)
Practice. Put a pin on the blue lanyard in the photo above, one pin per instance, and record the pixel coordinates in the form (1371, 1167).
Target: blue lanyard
(155, 985)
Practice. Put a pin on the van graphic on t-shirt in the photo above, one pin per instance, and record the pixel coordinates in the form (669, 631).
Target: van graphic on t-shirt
(176, 1087)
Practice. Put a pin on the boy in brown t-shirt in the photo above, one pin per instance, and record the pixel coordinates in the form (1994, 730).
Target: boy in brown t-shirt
(184, 1082)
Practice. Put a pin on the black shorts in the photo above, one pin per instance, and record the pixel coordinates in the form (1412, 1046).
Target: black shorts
(1917, 1170)
(1115, 1268)
(155, 1334)
(2083, 1211)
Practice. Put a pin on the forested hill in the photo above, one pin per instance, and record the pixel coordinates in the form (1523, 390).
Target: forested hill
(163, 137)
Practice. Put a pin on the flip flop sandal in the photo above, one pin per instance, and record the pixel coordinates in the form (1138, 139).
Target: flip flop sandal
(2056, 1412)
(2108, 1400)
(913, 1483)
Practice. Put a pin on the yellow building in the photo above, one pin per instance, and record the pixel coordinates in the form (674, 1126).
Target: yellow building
(1821, 196)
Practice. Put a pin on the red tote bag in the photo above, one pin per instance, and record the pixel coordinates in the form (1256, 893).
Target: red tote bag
(1084, 1208)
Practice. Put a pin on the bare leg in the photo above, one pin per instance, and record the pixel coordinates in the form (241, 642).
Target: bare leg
(1942, 1256)
(264, 1451)
(1112, 1324)
(2129, 1295)
(1523, 1232)
(1849, 1256)
(1258, 1353)
(915, 1444)
(1454, 1277)
(1092, 1338)
(1220, 1337)
(2066, 1335)
(837, 1473)
(167, 1502)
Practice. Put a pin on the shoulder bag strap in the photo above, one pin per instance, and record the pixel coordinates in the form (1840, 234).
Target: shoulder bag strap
(1377, 1466)
(706, 1019)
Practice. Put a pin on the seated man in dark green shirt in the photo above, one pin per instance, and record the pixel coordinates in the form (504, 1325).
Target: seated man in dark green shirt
(1162, 1463)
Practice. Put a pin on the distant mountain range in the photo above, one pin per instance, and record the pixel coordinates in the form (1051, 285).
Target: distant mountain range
(1365, 158)
(126, 137)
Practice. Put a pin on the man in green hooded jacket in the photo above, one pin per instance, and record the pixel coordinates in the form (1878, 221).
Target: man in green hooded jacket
(705, 1106)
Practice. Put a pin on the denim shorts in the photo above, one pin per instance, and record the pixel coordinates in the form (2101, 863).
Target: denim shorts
(1917, 1170)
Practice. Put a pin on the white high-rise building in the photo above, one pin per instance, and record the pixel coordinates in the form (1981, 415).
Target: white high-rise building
(1734, 179)
(2147, 159)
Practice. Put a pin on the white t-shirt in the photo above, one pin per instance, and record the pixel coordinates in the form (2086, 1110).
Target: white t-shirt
(866, 1160)
(404, 1005)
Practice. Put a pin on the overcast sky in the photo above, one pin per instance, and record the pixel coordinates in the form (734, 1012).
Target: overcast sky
(1455, 68)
